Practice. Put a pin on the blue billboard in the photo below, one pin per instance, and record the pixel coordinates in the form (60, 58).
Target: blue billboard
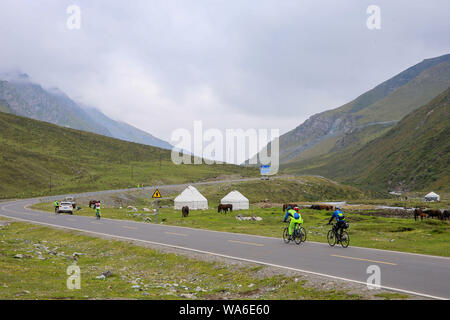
(264, 169)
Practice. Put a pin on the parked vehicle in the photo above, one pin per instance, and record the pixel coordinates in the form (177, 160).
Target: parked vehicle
(66, 207)
(71, 200)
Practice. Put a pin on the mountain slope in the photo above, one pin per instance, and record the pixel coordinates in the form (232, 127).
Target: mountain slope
(413, 155)
(124, 131)
(385, 104)
(36, 156)
(31, 100)
(20, 96)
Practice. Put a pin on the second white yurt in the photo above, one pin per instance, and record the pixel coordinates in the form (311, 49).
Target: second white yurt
(236, 199)
(432, 197)
(192, 198)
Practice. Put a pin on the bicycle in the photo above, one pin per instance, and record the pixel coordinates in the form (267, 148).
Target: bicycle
(298, 234)
(333, 237)
(98, 214)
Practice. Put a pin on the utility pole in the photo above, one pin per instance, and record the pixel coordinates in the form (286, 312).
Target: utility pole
(50, 183)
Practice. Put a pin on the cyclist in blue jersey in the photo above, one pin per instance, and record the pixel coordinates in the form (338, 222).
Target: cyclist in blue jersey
(340, 221)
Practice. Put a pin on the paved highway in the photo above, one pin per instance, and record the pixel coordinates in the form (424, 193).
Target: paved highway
(423, 275)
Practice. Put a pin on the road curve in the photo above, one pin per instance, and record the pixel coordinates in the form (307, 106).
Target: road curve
(423, 275)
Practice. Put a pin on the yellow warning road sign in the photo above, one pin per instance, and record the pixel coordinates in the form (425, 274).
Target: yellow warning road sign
(156, 194)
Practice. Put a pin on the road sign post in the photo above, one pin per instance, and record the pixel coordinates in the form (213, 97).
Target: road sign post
(156, 195)
(156, 216)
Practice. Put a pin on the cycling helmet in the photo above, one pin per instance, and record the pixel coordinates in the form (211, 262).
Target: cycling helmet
(296, 208)
(296, 216)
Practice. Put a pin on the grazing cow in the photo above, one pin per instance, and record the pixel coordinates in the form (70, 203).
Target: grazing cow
(225, 208)
(92, 202)
(434, 214)
(286, 205)
(321, 207)
(419, 213)
(446, 215)
(185, 211)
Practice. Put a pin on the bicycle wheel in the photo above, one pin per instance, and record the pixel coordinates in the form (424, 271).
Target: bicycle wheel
(331, 237)
(286, 235)
(303, 231)
(345, 239)
(297, 235)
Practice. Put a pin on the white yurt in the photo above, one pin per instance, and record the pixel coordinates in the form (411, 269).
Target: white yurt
(192, 198)
(432, 197)
(236, 198)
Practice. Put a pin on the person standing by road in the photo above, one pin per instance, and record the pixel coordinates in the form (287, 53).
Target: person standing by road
(56, 205)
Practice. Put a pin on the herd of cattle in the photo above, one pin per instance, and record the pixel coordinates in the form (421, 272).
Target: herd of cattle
(314, 206)
(429, 213)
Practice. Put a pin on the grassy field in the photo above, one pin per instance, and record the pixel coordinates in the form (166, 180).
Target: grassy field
(34, 259)
(276, 190)
(302, 188)
(399, 234)
(38, 158)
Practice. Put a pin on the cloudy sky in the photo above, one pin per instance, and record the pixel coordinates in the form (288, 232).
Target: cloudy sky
(160, 65)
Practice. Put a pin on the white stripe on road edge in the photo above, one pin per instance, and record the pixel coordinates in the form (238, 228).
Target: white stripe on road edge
(229, 257)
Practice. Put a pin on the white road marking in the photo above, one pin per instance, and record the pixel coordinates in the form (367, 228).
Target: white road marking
(176, 234)
(248, 243)
(361, 259)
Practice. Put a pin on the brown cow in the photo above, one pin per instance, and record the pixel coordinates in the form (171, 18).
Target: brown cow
(446, 215)
(224, 207)
(185, 211)
(92, 202)
(434, 214)
(322, 207)
(419, 213)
